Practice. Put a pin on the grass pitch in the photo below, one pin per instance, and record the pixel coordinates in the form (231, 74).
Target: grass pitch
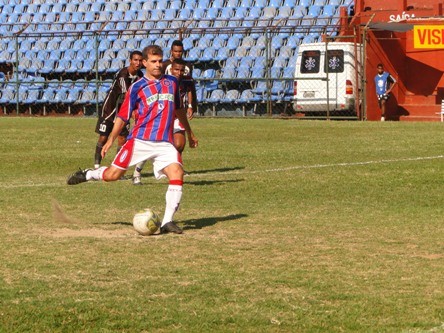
(290, 226)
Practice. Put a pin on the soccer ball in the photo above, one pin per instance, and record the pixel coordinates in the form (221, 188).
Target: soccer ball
(146, 222)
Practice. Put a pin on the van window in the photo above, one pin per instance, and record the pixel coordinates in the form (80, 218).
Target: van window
(335, 61)
(310, 61)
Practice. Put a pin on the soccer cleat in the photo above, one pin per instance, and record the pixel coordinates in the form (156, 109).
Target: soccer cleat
(137, 180)
(170, 227)
(77, 177)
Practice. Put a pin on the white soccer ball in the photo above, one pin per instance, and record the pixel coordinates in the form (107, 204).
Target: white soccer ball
(146, 222)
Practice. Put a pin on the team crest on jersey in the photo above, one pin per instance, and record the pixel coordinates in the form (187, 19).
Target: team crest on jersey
(166, 83)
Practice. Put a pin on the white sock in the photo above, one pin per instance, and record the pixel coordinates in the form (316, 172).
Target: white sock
(138, 169)
(173, 196)
(96, 174)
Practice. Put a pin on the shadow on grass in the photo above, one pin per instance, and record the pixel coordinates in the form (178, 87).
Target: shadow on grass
(212, 182)
(209, 221)
(199, 223)
(197, 172)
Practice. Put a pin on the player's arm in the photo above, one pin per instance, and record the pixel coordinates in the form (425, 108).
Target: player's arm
(182, 115)
(190, 109)
(392, 81)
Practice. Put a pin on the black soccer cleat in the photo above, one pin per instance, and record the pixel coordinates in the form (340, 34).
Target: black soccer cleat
(170, 227)
(77, 177)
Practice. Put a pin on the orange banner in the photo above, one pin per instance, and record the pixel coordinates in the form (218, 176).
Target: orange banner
(428, 36)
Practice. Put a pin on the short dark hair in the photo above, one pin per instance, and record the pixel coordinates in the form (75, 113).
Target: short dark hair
(179, 61)
(135, 52)
(177, 43)
(380, 65)
(153, 50)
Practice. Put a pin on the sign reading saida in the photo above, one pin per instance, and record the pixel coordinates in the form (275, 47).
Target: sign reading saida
(428, 36)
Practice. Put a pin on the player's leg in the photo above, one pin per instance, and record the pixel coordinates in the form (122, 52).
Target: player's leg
(168, 162)
(114, 172)
(179, 141)
(383, 102)
(137, 174)
(103, 128)
(173, 196)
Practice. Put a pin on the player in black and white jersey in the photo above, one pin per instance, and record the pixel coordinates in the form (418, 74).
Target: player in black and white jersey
(122, 81)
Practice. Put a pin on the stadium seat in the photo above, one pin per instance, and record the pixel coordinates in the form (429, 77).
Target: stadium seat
(209, 75)
(193, 54)
(232, 3)
(231, 96)
(208, 54)
(243, 72)
(222, 54)
(228, 73)
(215, 96)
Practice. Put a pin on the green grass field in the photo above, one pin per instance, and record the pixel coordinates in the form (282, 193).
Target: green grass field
(290, 226)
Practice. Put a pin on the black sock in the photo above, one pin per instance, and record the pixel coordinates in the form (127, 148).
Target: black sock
(98, 154)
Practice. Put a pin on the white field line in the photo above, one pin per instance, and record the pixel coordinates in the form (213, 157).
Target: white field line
(237, 172)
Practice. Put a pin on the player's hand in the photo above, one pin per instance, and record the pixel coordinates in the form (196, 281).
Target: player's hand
(190, 113)
(106, 147)
(192, 140)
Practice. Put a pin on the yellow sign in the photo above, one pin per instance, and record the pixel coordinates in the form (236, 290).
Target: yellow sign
(428, 36)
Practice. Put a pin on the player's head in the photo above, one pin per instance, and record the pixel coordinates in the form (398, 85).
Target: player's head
(135, 61)
(152, 60)
(380, 68)
(177, 49)
(178, 68)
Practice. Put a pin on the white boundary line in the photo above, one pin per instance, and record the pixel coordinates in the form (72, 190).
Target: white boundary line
(298, 167)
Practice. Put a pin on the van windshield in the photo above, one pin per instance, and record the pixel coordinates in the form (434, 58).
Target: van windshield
(310, 61)
(335, 61)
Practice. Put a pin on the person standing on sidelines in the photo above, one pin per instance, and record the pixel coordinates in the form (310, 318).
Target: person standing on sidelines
(122, 81)
(384, 83)
(153, 101)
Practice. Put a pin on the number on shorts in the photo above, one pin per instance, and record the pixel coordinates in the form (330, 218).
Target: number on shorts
(102, 128)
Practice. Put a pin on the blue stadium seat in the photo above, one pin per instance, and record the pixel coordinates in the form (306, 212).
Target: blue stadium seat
(231, 96)
(194, 54)
(191, 4)
(243, 72)
(247, 96)
(208, 54)
(216, 4)
(222, 54)
(216, 96)
(228, 73)
(260, 3)
(246, 3)
(211, 83)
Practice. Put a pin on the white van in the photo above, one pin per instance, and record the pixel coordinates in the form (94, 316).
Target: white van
(313, 69)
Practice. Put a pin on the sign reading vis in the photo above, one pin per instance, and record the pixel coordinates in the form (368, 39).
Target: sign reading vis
(428, 36)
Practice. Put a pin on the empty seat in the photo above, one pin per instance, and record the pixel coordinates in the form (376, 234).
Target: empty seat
(216, 96)
(231, 96)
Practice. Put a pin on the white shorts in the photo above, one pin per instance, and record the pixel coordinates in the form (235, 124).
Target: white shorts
(178, 126)
(161, 153)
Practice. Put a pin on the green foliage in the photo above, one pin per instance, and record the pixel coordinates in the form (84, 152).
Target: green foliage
(290, 226)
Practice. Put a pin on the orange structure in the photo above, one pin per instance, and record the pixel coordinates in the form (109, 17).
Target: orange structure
(407, 36)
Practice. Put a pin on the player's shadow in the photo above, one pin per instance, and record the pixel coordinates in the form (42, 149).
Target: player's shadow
(196, 172)
(209, 221)
(212, 182)
(221, 170)
(199, 223)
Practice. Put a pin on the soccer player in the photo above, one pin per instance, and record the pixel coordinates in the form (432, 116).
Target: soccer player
(186, 86)
(154, 102)
(384, 83)
(122, 81)
(176, 53)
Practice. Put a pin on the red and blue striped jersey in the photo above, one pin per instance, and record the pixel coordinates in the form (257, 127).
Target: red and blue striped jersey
(154, 104)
